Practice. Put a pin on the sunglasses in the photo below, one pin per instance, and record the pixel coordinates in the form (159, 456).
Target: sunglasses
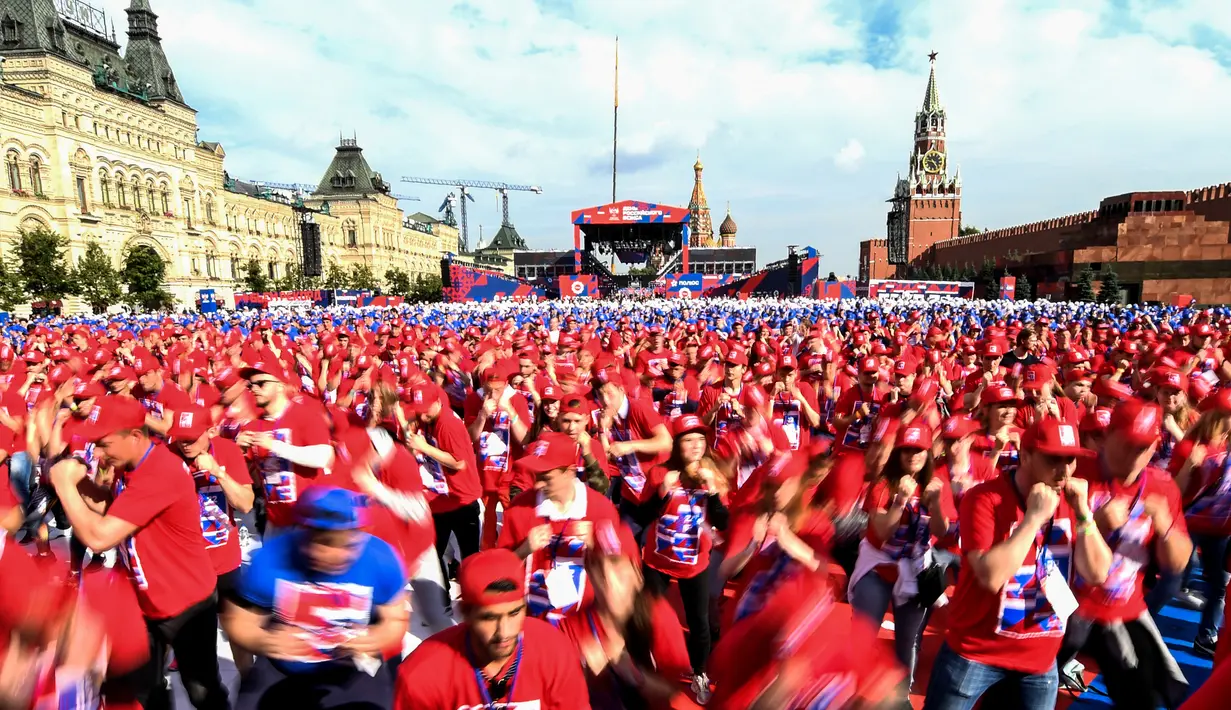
(259, 384)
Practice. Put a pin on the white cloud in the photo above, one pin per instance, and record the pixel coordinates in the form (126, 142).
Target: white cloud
(850, 157)
(1050, 108)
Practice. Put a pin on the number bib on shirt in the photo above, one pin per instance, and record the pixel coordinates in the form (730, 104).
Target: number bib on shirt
(431, 473)
(128, 550)
(1211, 511)
(678, 533)
(1025, 611)
(215, 523)
(1130, 552)
(327, 614)
(628, 465)
(786, 414)
(557, 582)
(859, 433)
(278, 473)
(494, 445)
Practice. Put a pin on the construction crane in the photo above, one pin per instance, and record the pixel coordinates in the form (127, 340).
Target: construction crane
(304, 189)
(463, 194)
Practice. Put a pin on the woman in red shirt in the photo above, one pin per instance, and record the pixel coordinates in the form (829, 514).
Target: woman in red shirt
(962, 469)
(1002, 438)
(687, 502)
(907, 508)
(630, 640)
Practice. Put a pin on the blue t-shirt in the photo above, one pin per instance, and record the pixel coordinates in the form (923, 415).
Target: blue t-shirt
(329, 608)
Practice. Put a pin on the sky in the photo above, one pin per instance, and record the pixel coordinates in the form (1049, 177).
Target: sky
(802, 112)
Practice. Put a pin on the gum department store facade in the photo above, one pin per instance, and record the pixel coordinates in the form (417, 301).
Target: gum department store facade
(102, 147)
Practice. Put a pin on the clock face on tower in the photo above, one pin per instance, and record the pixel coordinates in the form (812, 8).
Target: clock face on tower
(933, 161)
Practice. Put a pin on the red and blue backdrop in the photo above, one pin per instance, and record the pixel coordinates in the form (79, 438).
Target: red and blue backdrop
(579, 285)
(467, 283)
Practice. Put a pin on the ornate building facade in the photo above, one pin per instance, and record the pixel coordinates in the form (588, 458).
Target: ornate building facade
(701, 225)
(100, 145)
(926, 206)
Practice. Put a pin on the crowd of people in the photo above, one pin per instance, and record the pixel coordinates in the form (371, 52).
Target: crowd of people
(614, 504)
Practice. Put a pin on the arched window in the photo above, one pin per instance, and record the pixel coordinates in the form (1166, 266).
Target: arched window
(234, 262)
(104, 186)
(166, 199)
(149, 193)
(122, 189)
(136, 185)
(209, 209)
(273, 270)
(14, 171)
(209, 264)
(352, 237)
(36, 175)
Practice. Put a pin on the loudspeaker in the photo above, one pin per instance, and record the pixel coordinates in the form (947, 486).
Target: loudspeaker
(446, 278)
(792, 273)
(311, 236)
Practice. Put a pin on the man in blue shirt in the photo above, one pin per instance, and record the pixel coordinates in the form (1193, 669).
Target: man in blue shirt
(321, 608)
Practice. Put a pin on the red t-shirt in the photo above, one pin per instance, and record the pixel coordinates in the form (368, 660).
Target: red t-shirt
(1014, 628)
(789, 414)
(217, 515)
(636, 421)
(497, 448)
(726, 413)
(858, 434)
(438, 675)
(679, 540)
(165, 557)
(170, 397)
(1121, 596)
(565, 552)
(913, 527)
(302, 424)
(770, 567)
(453, 489)
(667, 647)
(978, 470)
(399, 472)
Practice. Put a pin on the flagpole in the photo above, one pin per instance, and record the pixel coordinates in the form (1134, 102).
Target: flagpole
(615, 122)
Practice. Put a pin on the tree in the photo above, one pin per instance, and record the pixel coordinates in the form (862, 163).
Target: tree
(397, 282)
(97, 279)
(294, 280)
(362, 278)
(44, 264)
(254, 279)
(428, 289)
(987, 278)
(336, 277)
(12, 290)
(1085, 285)
(1109, 291)
(1025, 291)
(143, 273)
(967, 230)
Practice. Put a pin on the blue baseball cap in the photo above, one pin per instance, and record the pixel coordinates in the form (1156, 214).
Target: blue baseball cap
(330, 508)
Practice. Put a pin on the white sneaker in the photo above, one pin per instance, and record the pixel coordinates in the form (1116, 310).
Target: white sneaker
(701, 688)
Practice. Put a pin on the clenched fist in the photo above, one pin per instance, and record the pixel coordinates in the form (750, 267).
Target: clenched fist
(1042, 502)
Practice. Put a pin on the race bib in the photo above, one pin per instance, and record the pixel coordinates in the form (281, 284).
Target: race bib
(278, 474)
(326, 615)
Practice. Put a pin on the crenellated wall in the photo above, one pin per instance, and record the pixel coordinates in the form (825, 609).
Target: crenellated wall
(1213, 202)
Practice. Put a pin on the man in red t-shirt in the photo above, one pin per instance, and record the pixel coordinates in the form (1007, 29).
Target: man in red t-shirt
(635, 438)
(497, 657)
(1025, 537)
(289, 443)
(497, 420)
(1137, 508)
(153, 517)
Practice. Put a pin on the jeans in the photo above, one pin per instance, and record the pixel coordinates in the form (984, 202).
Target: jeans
(871, 598)
(21, 475)
(193, 635)
(333, 686)
(1213, 570)
(957, 683)
(695, 596)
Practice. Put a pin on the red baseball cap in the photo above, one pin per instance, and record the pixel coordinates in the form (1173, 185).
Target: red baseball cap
(686, 424)
(550, 393)
(88, 389)
(1096, 420)
(958, 427)
(226, 378)
(1219, 401)
(753, 396)
(112, 414)
(915, 435)
(190, 424)
(120, 372)
(484, 569)
(763, 368)
(869, 364)
(788, 363)
(1169, 377)
(1051, 436)
(1036, 377)
(677, 359)
(552, 450)
(143, 365)
(273, 368)
(736, 357)
(1138, 423)
(999, 394)
(422, 396)
(614, 539)
(1107, 387)
(992, 349)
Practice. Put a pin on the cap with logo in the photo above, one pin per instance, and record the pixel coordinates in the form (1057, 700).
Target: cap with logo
(1053, 437)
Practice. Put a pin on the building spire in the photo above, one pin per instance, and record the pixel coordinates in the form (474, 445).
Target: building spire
(144, 55)
(931, 99)
(701, 228)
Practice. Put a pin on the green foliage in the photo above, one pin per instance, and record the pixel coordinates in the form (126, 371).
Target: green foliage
(294, 280)
(335, 277)
(44, 264)
(987, 279)
(255, 279)
(428, 289)
(1084, 288)
(97, 279)
(361, 278)
(12, 290)
(143, 273)
(397, 282)
(1025, 291)
(1109, 291)
(967, 230)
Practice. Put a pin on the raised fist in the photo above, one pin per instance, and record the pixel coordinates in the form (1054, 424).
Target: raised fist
(1042, 501)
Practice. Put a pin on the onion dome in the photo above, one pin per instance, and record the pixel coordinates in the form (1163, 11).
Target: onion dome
(728, 225)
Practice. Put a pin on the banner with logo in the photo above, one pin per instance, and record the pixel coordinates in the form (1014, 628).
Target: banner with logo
(579, 286)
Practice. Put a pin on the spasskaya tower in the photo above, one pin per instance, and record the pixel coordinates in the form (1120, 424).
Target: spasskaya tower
(926, 206)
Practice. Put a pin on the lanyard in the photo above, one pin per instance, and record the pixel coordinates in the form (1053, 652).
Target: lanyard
(1042, 555)
(143, 458)
(482, 681)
